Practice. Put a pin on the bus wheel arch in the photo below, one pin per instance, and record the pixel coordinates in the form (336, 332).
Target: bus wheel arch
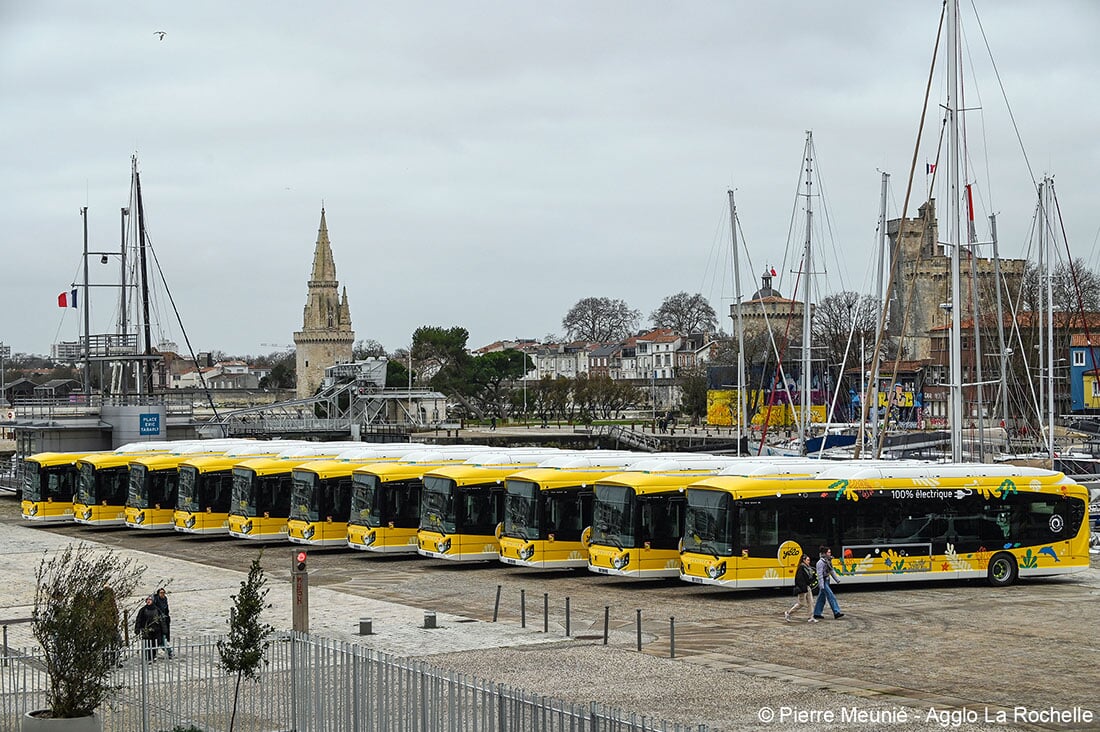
(1003, 570)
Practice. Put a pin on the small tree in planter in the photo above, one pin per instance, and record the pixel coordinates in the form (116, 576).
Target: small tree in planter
(76, 622)
(242, 652)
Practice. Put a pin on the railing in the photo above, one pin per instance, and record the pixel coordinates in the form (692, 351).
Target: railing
(316, 684)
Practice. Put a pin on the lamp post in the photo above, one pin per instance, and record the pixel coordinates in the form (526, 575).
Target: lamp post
(3, 376)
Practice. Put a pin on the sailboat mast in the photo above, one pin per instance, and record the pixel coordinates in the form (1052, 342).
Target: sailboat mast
(1000, 322)
(1048, 213)
(740, 325)
(883, 242)
(146, 379)
(972, 249)
(87, 338)
(954, 238)
(807, 269)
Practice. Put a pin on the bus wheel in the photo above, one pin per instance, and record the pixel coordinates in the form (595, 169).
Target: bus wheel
(1002, 570)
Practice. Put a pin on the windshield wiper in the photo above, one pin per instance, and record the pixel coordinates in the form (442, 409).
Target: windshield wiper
(708, 548)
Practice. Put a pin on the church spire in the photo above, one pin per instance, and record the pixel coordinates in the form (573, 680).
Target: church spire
(324, 268)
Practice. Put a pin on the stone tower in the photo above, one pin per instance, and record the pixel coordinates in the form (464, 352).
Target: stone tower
(326, 337)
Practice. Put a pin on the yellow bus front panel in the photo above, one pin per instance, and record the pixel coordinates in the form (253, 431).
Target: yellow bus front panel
(258, 528)
(318, 533)
(201, 522)
(458, 547)
(543, 553)
(47, 511)
(100, 514)
(384, 539)
(642, 562)
(150, 518)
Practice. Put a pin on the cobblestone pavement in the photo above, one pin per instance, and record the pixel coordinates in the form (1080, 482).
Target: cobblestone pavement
(953, 655)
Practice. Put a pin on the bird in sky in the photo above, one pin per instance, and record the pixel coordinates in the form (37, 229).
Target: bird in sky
(160, 34)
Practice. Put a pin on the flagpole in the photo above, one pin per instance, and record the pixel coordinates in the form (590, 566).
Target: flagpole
(87, 362)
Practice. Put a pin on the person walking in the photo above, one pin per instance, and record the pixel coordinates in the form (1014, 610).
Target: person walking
(803, 594)
(148, 628)
(825, 576)
(160, 601)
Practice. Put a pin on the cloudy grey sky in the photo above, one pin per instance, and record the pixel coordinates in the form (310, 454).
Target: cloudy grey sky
(488, 164)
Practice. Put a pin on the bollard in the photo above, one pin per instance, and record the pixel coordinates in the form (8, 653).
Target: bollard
(639, 611)
(366, 626)
(546, 612)
(567, 617)
(523, 608)
(429, 619)
(496, 605)
(126, 625)
(606, 612)
(671, 637)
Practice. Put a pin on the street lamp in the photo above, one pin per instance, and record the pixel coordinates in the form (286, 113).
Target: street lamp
(3, 376)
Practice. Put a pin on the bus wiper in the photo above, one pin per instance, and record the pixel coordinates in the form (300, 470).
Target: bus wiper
(709, 548)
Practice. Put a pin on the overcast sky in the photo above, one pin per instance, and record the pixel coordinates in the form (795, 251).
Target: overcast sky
(488, 164)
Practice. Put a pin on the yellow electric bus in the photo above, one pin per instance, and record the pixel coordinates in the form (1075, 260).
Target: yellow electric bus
(154, 479)
(260, 502)
(462, 506)
(886, 523)
(49, 483)
(548, 509)
(103, 487)
(638, 516)
(321, 499)
(206, 482)
(385, 499)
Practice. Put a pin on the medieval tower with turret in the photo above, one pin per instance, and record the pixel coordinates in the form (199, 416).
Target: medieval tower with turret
(326, 337)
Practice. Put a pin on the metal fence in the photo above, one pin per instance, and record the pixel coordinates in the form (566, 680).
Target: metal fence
(312, 684)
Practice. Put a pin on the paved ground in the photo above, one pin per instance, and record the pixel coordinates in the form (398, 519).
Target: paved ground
(902, 657)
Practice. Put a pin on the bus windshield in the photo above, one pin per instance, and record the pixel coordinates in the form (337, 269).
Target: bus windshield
(186, 499)
(243, 502)
(138, 496)
(437, 512)
(613, 516)
(108, 486)
(710, 524)
(365, 509)
(33, 476)
(521, 516)
(305, 497)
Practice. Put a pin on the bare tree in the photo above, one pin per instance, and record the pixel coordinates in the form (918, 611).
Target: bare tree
(1075, 287)
(684, 313)
(600, 319)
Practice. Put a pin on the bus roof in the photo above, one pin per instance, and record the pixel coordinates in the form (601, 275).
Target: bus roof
(930, 477)
(551, 478)
(50, 459)
(111, 459)
(270, 465)
(647, 483)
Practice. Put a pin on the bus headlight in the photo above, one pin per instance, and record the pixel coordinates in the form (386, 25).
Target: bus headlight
(527, 552)
(308, 533)
(33, 511)
(716, 571)
(190, 522)
(621, 561)
(368, 538)
(246, 527)
(87, 515)
(443, 545)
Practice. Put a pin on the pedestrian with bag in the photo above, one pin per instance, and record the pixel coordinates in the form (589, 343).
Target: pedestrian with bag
(160, 601)
(804, 579)
(825, 576)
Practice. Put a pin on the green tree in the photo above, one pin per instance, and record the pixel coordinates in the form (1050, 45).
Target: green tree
(76, 622)
(242, 651)
(490, 378)
(693, 388)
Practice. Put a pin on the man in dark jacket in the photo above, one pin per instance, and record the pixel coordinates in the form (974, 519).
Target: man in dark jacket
(149, 629)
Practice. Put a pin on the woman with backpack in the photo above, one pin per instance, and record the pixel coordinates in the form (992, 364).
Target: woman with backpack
(804, 580)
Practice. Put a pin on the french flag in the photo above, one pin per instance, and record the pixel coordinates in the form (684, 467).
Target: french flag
(67, 299)
(929, 168)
